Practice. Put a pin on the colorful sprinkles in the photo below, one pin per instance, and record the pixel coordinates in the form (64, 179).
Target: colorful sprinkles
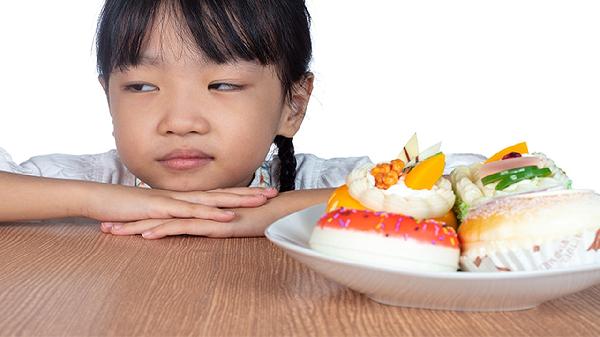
(398, 223)
(392, 225)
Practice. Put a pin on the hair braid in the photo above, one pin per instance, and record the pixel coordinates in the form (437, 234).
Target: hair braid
(287, 169)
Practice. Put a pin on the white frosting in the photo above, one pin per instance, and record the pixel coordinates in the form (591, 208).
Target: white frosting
(400, 189)
(421, 204)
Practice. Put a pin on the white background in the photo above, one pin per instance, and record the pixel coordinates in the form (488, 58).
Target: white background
(477, 75)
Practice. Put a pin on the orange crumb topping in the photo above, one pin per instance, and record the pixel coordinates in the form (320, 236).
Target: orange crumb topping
(387, 174)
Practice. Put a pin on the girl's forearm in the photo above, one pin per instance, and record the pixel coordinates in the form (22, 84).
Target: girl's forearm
(289, 202)
(31, 198)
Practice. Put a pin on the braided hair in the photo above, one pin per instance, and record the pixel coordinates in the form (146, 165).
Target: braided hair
(287, 168)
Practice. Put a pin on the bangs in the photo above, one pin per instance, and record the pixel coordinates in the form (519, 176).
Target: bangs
(269, 32)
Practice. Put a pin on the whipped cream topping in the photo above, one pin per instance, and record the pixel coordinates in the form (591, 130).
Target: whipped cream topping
(400, 189)
(421, 204)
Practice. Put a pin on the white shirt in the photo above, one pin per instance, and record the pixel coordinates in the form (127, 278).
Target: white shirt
(311, 171)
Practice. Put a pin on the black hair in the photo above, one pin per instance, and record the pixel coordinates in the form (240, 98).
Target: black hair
(272, 32)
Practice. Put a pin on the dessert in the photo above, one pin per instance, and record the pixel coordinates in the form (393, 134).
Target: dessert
(509, 172)
(411, 185)
(517, 211)
(534, 231)
(387, 239)
(396, 214)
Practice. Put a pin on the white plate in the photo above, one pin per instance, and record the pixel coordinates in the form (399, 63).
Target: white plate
(462, 291)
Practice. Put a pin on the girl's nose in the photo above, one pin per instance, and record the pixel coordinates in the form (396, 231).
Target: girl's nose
(184, 116)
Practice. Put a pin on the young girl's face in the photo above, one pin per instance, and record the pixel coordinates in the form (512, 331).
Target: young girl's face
(182, 122)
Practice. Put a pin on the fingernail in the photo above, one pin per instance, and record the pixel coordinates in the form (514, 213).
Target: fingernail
(229, 213)
(117, 227)
(147, 234)
(106, 225)
(270, 190)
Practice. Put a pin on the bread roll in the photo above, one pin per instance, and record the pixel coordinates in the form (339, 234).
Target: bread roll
(535, 231)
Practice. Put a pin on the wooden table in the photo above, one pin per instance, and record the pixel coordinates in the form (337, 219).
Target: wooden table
(70, 279)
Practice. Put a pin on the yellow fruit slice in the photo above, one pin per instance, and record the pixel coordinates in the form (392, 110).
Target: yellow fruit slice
(449, 218)
(426, 173)
(519, 148)
(341, 198)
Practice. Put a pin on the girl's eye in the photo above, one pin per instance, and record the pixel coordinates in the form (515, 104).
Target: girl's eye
(224, 86)
(141, 87)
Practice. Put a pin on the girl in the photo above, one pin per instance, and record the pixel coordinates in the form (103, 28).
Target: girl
(198, 91)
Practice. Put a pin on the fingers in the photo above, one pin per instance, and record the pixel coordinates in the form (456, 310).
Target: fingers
(270, 192)
(165, 207)
(267, 192)
(105, 227)
(190, 227)
(205, 228)
(222, 199)
(205, 207)
(132, 228)
(174, 208)
(159, 228)
(236, 197)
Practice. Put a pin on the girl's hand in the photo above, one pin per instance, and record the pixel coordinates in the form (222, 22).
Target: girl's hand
(125, 204)
(248, 222)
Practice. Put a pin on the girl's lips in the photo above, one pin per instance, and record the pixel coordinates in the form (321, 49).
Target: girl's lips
(185, 159)
(185, 163)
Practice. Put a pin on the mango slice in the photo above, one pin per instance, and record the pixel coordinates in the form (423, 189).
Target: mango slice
(426, 173)
(449, 219)
(341, 198)
(519, 148)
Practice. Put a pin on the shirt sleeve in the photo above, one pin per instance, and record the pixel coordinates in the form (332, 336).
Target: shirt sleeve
(104, 167)
(315, 172)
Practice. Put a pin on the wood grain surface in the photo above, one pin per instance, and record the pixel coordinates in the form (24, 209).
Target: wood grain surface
(69, 279)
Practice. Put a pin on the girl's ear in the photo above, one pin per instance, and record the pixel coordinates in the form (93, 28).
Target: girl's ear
(295, 109)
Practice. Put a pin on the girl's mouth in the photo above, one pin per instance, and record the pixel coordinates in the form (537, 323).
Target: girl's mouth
(185, 159)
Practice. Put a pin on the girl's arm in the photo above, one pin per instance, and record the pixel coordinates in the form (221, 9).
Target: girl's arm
(248, 221)
(28, 198)
(25, 197)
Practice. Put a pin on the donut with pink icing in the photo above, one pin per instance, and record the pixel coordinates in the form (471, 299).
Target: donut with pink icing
(387, 240)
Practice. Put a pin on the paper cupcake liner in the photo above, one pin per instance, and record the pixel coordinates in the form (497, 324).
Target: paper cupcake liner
(570, 251)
